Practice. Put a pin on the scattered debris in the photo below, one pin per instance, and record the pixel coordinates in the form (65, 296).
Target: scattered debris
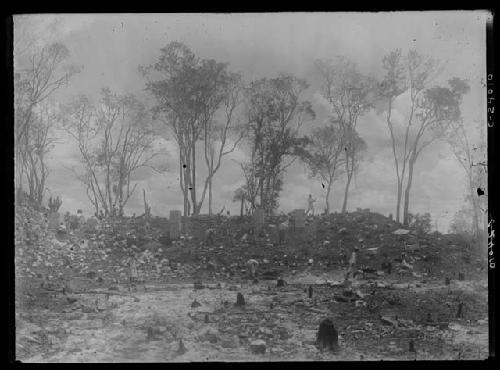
(87, 273)
(258, 346)
(401, 232)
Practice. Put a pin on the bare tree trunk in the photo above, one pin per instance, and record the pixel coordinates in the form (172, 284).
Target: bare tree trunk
(328, 190)
(398, 202)
(399, 178)
(346, 191)
(483, 242)
(211, 176)
(193, 180)
(183, 186)
(210, 196)
(475, 208)
(411, 165)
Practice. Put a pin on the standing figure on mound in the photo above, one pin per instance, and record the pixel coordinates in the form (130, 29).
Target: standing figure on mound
(133, 275)
(310, 205)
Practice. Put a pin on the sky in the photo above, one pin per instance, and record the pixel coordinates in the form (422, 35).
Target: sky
(111, 47)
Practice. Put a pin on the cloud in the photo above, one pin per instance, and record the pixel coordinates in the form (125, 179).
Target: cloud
(37, 30)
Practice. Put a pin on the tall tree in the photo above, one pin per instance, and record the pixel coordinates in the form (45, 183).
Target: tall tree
(430, 111)
(411, 73)
(39, 72)
(437, 109)
(275, 112)
(350, 95)
(218, 127)
(190, 92)
(471, 156)
(324, 155)
(250, 188)
(39, 142)
(173, 82)
(115, 138)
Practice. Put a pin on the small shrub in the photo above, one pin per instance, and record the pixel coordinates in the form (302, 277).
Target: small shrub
(421, 223)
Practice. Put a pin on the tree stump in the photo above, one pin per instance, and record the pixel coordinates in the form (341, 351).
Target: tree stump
(411, 347)
(281, 283)
(461, 276)
(182, 349)
(240, 300)
(447, 281)
(310, 291)
(327, 336)
(206, 318)
(460, 313)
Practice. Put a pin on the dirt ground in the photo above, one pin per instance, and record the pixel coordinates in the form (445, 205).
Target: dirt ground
(73, 303)
(148, 325)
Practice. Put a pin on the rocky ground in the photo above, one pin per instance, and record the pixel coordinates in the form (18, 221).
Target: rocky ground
(73, 303)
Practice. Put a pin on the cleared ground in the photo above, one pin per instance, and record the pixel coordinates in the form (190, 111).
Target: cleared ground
(148, 325)
(72, 303)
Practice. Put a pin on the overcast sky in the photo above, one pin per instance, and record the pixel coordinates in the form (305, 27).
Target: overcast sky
(111, 47)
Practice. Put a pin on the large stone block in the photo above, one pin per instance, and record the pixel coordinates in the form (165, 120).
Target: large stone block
(258, 218)
(299, 219)
(174, 223)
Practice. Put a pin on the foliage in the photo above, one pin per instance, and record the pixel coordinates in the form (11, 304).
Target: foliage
(462, 222)
(432, 110)
(190, 93)
(44, 73)
(32, 151)
(39, 73)
(54, 204)
(275, 113)
(472, 157)
(115, 138)
(421, 223)
(324, 155)
(240, 196)
(350, 94)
